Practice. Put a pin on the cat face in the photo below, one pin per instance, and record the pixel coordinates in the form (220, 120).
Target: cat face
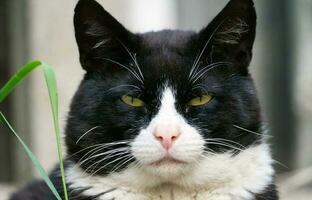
(162, 101)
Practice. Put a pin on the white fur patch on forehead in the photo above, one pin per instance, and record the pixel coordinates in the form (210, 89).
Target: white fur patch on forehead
(168, 101)
(168, 118)
(167, 113)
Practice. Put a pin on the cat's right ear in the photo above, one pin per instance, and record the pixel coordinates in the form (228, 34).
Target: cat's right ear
(100, 37)
(230, 35)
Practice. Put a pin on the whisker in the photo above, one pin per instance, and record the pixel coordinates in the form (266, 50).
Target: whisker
(133, 86)
(118, 166)
(259, 134)
(201, 87)
(122, 157)
(99, 147)
(90, 130)
(210, 67)
(90, 153)
(194, 67)
(105, 153)
(226, 145)
(84, 149)
(94, 165)
(125, 67)
(210, 151)
(133, 57)
(246, 130)
(206, 44)
(136, 63)
(226, 140)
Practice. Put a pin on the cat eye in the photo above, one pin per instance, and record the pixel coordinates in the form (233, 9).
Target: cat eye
(199, 101)
(132, 101)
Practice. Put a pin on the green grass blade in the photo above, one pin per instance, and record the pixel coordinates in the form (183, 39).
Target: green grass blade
(51, 84)
(52, 89)
(33, 158)
(17, 78)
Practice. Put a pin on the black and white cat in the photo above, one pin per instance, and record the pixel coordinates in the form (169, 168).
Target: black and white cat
(169, 115)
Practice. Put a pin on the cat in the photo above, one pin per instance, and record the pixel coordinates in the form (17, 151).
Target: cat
(169, 115)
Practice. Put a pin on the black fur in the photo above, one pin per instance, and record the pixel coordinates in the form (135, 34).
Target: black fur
(270, 193)
(165, 56)
(37, 190)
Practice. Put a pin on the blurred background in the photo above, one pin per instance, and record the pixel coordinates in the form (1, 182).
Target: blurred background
(43, 29)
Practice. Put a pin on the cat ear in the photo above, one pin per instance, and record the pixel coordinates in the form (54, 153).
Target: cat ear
(231, 34)
(99, 35)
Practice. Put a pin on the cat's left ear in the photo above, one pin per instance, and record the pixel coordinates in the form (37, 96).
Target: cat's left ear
(231, 34)
(99, 36)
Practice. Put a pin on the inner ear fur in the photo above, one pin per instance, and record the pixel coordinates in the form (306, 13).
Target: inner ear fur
(99, 35)
(230, 35)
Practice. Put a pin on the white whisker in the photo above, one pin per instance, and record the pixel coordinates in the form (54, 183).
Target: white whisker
(194, 66)
(113, 151)
(111, 155)
(125, 85)
(246, 130)
(122, 157)
(99, 147)
(90, 130)
(133, 57)
(205, 46)
(226, 140)
(125, 67)
(226, 145)
(118, 166)
(207, 69)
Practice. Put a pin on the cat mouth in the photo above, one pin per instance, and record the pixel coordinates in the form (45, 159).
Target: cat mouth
(167, 161)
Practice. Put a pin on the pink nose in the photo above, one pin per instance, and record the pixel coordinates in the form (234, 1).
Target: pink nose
(167, 139)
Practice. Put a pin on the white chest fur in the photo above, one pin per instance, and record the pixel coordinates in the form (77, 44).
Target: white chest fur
(218, 177)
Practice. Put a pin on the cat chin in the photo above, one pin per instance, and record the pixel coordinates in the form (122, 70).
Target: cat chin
(168, 171)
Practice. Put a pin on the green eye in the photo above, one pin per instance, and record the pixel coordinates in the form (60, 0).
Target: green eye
(199, 101)
(131, 101)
